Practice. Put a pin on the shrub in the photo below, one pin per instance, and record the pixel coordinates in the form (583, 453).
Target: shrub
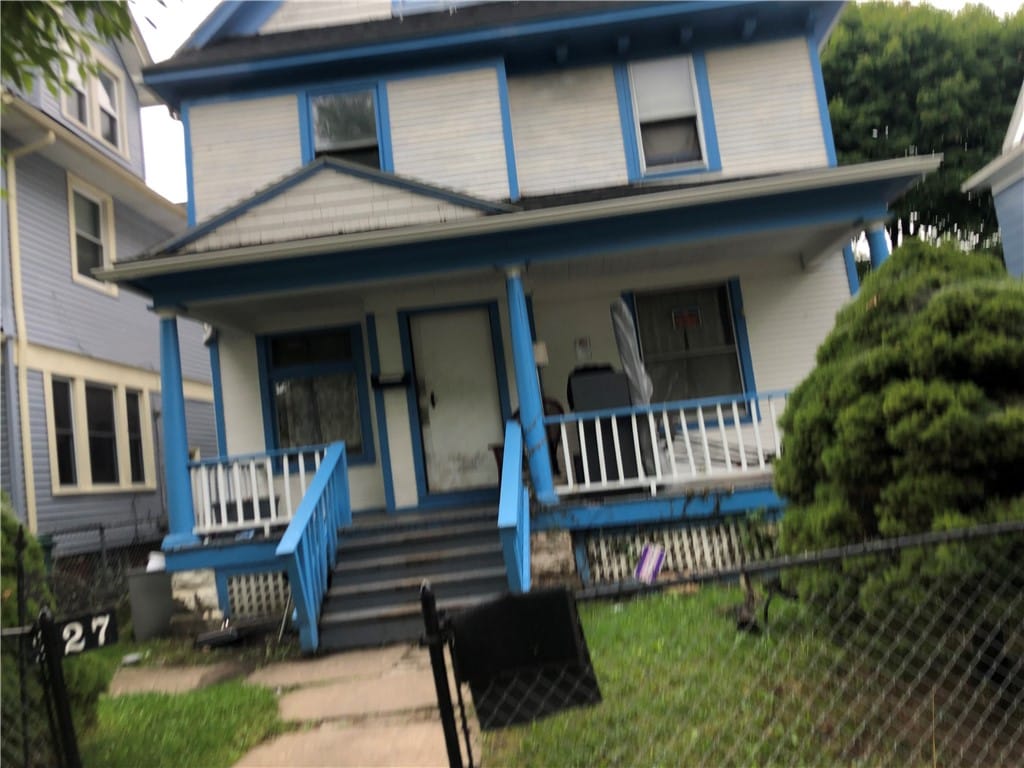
(912, 420)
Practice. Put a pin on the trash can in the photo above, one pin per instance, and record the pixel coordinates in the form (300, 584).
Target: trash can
(599, 388)
(149, 594)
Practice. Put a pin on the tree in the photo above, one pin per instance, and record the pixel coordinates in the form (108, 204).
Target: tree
(911, 79)
(39, 38)
(913, 418)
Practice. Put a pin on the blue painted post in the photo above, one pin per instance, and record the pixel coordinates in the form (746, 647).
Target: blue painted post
(181, 516)
(878, 246)
(531, 407)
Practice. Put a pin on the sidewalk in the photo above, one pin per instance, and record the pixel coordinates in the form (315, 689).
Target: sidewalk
(367, 709)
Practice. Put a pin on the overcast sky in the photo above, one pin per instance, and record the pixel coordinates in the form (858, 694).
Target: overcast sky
(171, 26)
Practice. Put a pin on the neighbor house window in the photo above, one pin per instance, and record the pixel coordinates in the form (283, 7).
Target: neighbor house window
(100, 436)
(667, 114)
(316, 390)
(688, 342)
(91, 221)
(95, 101)
(345, 126)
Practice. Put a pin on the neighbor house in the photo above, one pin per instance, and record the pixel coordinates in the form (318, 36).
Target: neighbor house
(1004, 176)
(410, 232)
(81, 412)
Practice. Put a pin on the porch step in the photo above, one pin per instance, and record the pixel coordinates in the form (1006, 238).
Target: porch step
(382, 561)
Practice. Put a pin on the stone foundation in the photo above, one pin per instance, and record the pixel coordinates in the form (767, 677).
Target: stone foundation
(551, 560)
(197, 591)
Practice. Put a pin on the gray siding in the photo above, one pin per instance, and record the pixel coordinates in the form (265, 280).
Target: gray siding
(6, 309)
(9, 426)
(66, 315)
(125, 517)
(202, 427)
(1010, 211)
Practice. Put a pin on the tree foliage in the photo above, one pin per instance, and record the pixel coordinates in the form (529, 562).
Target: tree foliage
(913, 418)
(912, 79)
(40, 37)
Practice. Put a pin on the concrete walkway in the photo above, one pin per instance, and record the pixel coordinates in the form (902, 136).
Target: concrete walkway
(367, 709)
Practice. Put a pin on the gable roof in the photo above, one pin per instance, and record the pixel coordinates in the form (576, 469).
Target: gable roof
(327, 197)
(1007, 167)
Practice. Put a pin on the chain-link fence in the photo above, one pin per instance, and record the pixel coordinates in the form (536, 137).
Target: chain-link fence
(27, 725)
(900, 652)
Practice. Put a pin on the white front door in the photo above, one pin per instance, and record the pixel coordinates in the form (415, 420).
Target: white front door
(457, 393)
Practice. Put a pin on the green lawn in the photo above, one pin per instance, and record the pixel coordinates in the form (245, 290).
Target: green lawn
(682, 687)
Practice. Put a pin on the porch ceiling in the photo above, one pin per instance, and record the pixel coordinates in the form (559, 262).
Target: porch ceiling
(805, 214)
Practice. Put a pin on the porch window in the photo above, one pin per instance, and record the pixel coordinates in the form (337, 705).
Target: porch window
(688, 342)
(316, 390)
(94, 100)
(345, 126)
(100, 438)
(667, 115)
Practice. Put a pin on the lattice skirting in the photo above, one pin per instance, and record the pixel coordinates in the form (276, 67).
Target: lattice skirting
(693, 548)
(258, 595)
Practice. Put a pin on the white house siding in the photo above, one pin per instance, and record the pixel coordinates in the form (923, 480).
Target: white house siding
(447, 130)
(788, 313)
(567, 131)
(231, 159)
(313, 14)
(766, 108)
(330, 203)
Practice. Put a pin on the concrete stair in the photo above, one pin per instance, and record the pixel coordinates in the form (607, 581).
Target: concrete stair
(383, 560)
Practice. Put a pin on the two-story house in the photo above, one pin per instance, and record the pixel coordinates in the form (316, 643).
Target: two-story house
(617, 228)
(81, 412)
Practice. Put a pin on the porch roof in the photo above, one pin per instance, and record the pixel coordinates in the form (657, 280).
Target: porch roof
(826, 206)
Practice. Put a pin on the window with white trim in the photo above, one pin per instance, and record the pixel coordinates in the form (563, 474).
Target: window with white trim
(96, 102)
(666, 109)
(91, 221)
(101, 438)
(688, 342)
(345, 126)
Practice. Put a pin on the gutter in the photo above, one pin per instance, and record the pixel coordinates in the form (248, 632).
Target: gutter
(1006, 165)
(511, 222)
(21, 341)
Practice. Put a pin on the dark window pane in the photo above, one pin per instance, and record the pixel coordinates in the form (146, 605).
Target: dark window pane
(345, 126)
(669, 142)
(108, 127)
(87, 217)
(135, 437)
(64, 432)
(369, 156)
(89, 255)
(99, 408)
(316, 410)
(332, 347)
(79, 106)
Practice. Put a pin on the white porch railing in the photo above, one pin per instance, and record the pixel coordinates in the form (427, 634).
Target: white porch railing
(231, 494)
(702, 443)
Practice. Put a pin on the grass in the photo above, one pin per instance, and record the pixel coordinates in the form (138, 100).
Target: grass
(679, 683)
(211, 727)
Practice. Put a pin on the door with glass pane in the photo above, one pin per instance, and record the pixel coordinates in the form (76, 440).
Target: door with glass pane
(458, 399)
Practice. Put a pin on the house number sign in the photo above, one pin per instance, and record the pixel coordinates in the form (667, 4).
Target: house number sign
(88, 632)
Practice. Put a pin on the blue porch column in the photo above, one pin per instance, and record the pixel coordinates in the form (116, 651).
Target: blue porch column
(181, 516)
(878, 246)
(531, 407)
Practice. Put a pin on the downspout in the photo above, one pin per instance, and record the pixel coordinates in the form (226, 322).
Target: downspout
(19, 321)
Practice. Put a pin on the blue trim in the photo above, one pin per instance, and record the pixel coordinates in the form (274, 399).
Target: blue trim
(826, 120)
(253, 556)
(655, 510)
(218, 398)
(627, 120)
(851, 269)
(428, 499)
(190, 184)
(180, 513)
(356, 365)
(506, 128)
(382, 421)
(305, 128)
(878, 246)
(232, 19)
(635, 170)
(707, 112)
(387, 158)
(739, 322)
(579, 550)
(223, 597)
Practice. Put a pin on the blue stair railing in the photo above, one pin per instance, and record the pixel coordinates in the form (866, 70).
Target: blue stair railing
(514, 511)
(309, 547)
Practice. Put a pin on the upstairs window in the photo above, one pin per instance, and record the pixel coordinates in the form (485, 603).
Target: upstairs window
(91, 224)
(95, 102)
(667, 114)
(345, 127)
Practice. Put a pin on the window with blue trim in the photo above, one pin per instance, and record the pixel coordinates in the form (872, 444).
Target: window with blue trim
(317, 390)
(666, 114)
(688, 342)
(344, 126)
